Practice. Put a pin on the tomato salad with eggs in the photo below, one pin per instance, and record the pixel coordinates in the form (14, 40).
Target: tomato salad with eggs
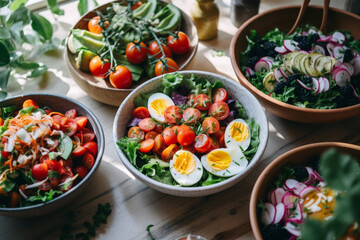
(197, 137)
(43, 153)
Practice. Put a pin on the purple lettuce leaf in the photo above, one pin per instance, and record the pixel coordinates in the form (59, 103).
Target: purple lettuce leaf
(134, 122)
(178, 98)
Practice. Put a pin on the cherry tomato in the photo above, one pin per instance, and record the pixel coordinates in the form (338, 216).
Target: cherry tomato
(81, 122)
(191, 100)
(220, 95)
(136, 53)
(175, 129)
(219, 110)
(121, 78)
(136, 133)
(165, 66)
(94, 27)
(79, 151)
(81, 171)
(179, 44)
(214, 143)
(56, 121)
(86, 134)
(71, 114)
(169, 152)
(159, 128)
(220, 132)
(91, 147)
(30, 103)
(159, 145)
(154, 50)
(202, 102)
(147, 145)
(169, 136)
(53, 165)
(186, 135)
(39, 171)
(147, 124)
(1, 121)
(43, 158)
(88, 161)
(191, 115)
(136, 5)
(71, 127)
(211, 125)
(172, 114)
(151, 135)
(5, 154)
(141, 112)
(98, 68)
(202, 143)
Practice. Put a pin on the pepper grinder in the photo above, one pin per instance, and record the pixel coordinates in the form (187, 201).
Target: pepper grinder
(242, 10)
(205, 14)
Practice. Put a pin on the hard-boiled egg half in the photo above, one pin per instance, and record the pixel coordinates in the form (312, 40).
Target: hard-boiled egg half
(224, 162)
(186, 168)
(157, 104)
(237, 135)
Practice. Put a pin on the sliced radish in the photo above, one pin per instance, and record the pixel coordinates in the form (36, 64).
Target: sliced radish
(326, 84)
(288, 199)
(303, 85)
(339, 36)
(283, 73)
(279, 193)
(294, 220)
(290, 184)
(319, 49)
(261, 65)
(342, 77)
(291, 228)
(355, 62)
(278, 75)
(338, 53)
(355, 93)
(281, 50)
(297, 214)
(349, 67)
(304, 33)
(290, 45)
(298, 187)
(249, 72)
(317, 176)
(268, 215)
(272, 197)
(280, 212)
(330, 48)
(315, 86)
(324, 39)
(321, 85)
(311, 179)
(307, 190)
(269, 59)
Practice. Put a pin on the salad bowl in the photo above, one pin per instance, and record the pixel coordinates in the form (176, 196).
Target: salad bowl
(61, 104)
(101, 90)
(283, 18)
(237, 92)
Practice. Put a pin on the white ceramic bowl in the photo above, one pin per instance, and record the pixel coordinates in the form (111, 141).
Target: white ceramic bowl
(249, 102)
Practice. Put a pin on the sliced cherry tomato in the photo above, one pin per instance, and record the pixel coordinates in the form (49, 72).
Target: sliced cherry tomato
(202, 143)
(151, 135)
(169, 152)
(1, 121)
(179, 44)
(98, 68)
(147, 145)
(121, 78)
(147, 124)
(81, 122)
(43, 158)
(154, 50)
(56, 121)
(220, 95)
(39, 171)
(68, 174)
(46, 186)
(220, 132)
(53, 165)
(186, 135)
(159, 145)
(136, 53)
(86, 134)
(165, 66)
(172, 114)
(30, 103)
(71, 127)
(71, 114)
(91, 147)
(82, 171)
(190, 148)
(169, 136)
(79, 151)
(219, 110)
(175, 129)
(5, 154)
(211, 125)
(191, 115)
(159, 128)
(222, 140)
(141, 112)
(202, 102)
(190, 100)
(94, 27)
(136, 5)
(53, 146)
(214, 143)
(136, 133)
(88, 161)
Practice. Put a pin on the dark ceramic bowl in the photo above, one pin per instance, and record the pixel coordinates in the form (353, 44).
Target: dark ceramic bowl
(60, 104)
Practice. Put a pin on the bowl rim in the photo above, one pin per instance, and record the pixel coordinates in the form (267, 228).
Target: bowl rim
(100, 139)
(234, 178)
(75, 70)
(260, 180)
(264, 96)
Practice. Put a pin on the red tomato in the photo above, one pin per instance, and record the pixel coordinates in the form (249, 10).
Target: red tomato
(186, 135)
(53, 165)
(191, 100)
(179, 44)
(159, 128)
(147, 145)
(202, 143)
(88, 161)
(1, 121)
(220, 132)
(79, 151)
(211, 125)
(202, 102)
(191, 115)
(159, 145)
(147, 124)
(81, 122)
(5, 154)
(219, 110)
(71, 127)
(220, 95)
(121, 78)
(43, 158)
(169, 152)
(86, 134)
(98, 68)
(172, 114)
(30, 103)
(71, 114)
(175, 129)
(94, 27)
(56, 121)
(136, 5)
(136, 53)
(136, 133)
(91, 147)
(39, 171)
(141, 112)
(169, 136)
(165, 66)
(154, 50)
(68, 174)
(151, 135)
(81, 170)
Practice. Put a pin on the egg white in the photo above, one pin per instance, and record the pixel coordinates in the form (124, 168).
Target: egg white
(153, 113)
(232, 143)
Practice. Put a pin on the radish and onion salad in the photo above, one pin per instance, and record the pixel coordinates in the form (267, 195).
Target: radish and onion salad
(307, 68)
(197, 137)
(44, 153)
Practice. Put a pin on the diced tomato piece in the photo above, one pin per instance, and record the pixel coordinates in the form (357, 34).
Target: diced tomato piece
(79, 151)
(82, 171)
(81, 122)
(53, 165)
(151, 135)
(71, 127)
(147, 124)
(71, 114)
(159, 128)
(159, 145)
(86, 134)
(141, 112)
(5, 154)
(91, 147)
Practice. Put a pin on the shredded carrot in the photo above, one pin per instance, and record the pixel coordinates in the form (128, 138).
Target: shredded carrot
(81, 138)
(56, 113)
(11, 166)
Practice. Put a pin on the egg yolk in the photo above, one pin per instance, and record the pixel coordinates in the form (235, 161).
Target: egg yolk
(184, 163)
(218, 160)
(239, 131)
(159, 105)
(319, 205)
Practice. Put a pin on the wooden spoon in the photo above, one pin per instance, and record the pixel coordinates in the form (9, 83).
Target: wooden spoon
(325, 14)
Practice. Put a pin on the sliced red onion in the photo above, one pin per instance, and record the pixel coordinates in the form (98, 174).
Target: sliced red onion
(22, 194)
(311, 179)
(34, 185)
(317, 176)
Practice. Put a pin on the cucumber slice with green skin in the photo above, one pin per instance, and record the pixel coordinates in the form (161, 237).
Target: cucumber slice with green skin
(302, 64)
(65, 147)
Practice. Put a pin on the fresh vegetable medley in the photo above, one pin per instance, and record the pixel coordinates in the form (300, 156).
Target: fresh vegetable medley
(44, 153)
(191, 133)
(302, 200)
(129, 41)
(307, 68)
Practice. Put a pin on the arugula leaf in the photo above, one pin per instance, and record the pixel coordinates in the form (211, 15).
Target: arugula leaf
(148, 230)
(45, 197)
(252, 39)
(286, 173)
(41, 25)
(275, 36)
(54, 7)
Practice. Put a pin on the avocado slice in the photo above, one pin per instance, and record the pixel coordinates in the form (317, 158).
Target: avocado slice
(83, 59)
(87, 40)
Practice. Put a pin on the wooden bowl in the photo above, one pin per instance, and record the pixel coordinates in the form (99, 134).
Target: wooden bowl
(283, 18)
(101, 90)
(298, 156)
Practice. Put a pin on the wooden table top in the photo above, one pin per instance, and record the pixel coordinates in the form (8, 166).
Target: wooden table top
(224, 215)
